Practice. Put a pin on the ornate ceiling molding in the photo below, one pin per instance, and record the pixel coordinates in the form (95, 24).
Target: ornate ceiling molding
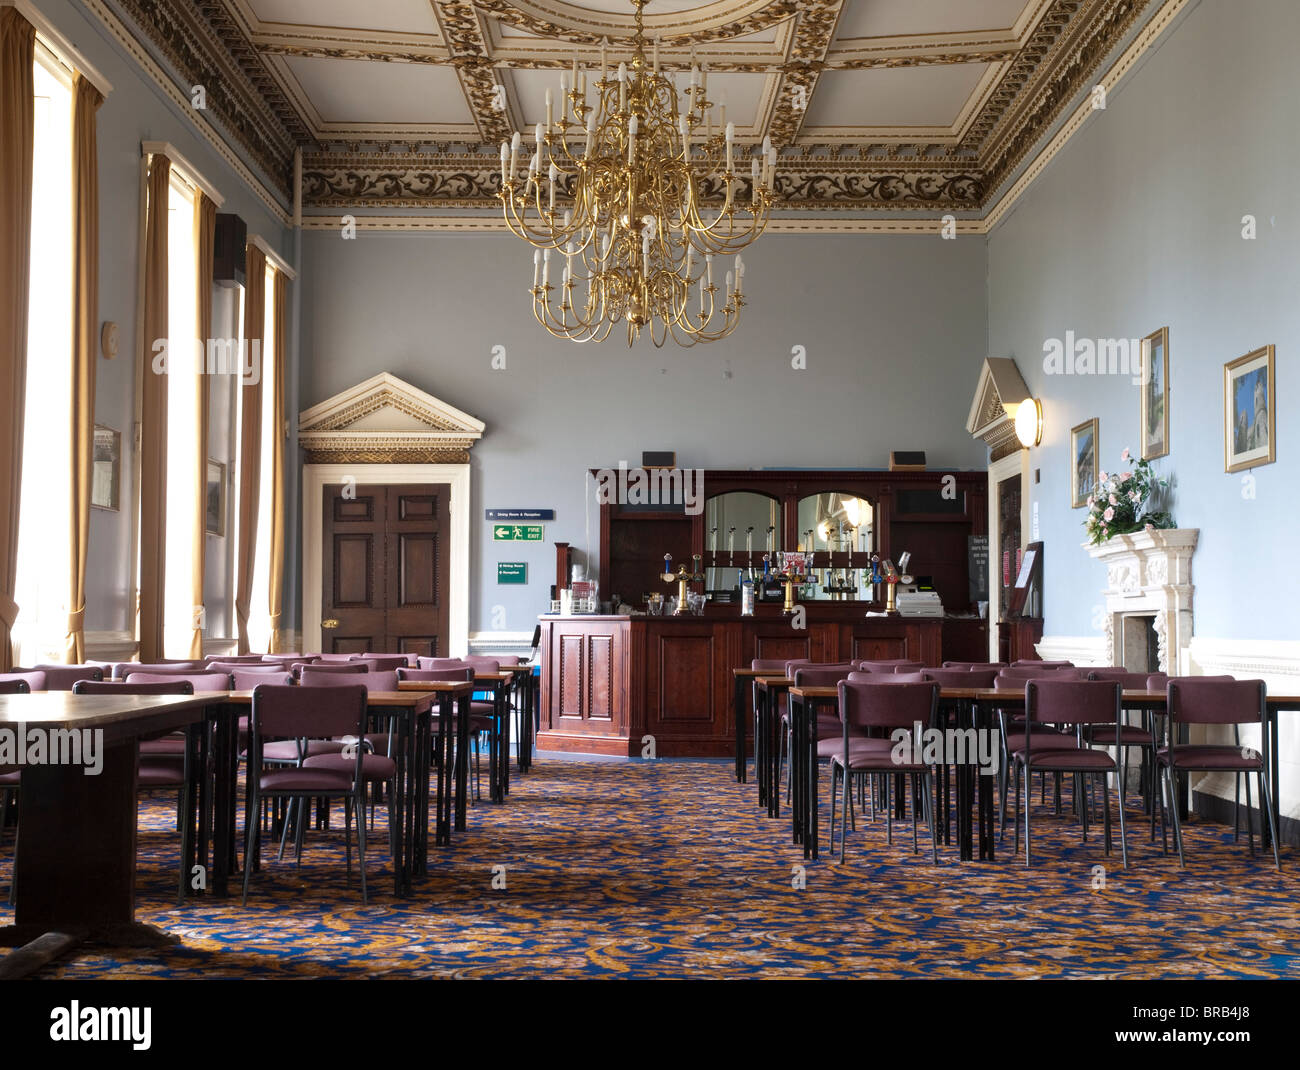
(807, 59)
(704, 27)
(464, 32)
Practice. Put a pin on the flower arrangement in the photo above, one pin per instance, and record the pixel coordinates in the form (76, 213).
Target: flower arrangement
(1117, 503)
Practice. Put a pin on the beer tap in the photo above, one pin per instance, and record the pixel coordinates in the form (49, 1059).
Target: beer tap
(731, 547)
(749, 550)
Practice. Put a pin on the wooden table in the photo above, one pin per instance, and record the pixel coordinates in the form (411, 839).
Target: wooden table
(411, 710)
(744, 682)
(74, 868)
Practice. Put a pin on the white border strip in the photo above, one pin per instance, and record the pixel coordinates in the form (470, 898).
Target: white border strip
(57, 43)
(488, 222)
(187, 169)
(278, 262)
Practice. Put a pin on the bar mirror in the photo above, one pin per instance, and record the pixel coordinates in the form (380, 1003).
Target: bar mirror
(835, 528)
(740, 527)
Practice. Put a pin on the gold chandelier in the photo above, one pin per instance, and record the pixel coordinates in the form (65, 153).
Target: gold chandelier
(620, 220)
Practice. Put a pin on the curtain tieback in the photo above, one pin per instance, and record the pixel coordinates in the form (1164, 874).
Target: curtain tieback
(8, 612)
(77, 621)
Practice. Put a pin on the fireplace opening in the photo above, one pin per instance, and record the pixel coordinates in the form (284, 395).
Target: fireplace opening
(1140, 646)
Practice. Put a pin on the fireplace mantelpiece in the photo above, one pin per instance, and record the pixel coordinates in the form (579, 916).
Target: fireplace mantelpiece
(1149, 573)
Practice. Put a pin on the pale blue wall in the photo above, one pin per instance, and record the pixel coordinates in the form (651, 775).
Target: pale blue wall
(893, 327)
(1137, 225)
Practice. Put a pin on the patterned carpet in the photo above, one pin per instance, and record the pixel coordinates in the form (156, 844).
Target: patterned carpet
(669, 869)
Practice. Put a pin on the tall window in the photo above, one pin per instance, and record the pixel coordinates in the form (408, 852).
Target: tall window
(184, 363)
(45, 516)
(259, 613)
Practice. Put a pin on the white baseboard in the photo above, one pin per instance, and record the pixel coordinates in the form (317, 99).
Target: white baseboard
(501, 642)
(1079, 649)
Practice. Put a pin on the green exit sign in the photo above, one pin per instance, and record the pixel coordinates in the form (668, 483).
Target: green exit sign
(517, 532)
(512, 572)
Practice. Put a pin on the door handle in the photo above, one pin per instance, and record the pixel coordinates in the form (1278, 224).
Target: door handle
(329, 623)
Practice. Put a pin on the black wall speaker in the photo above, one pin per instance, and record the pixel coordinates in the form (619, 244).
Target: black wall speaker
(907, 460)
(658, 459)
(228, 245)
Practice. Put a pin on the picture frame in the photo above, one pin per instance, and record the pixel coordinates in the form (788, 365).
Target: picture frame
(1249, 417)
(1154, 405)
(1084, 452)
(106, 469)
(215, 499)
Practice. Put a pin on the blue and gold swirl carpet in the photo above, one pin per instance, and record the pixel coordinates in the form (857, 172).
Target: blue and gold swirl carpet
(669, 869)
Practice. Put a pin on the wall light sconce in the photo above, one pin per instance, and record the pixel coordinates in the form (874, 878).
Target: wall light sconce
(1029, 422)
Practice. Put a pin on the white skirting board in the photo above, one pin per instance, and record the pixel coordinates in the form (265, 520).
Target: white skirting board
(1276, 662)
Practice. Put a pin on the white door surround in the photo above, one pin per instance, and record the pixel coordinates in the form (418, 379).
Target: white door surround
(385, 432)
(1149, 574)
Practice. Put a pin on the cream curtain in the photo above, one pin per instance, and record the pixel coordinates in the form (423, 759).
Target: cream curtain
(250, 443)
(281, 428)
(153, 418)
(17, 130)
(85, 346)
(205, 228)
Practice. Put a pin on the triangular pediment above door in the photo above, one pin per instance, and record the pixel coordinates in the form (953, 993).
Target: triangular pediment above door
(998, 395)
(387, 420)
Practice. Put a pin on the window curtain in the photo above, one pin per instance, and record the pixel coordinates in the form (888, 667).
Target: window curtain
(281, 429)
(17, 133)
(153, 418)
(250, 441)
(86, 100)
(205, 228)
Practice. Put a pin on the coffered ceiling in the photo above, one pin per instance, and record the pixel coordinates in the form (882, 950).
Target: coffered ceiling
(876, 105)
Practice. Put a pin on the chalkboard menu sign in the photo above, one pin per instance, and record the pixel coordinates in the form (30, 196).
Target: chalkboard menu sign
(977, 566)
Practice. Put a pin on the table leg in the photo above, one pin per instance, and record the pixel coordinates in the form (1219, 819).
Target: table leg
(738, 711)
(505, 744)
(462, 757)
(811, 814)
(794, 707)
(774, 753)
(760, 741)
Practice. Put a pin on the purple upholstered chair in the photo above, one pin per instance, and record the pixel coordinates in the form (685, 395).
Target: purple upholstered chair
(34, 679)
(1080, 703)
(302, 715)
(865, 707)
(62, 677)
(1216, 701)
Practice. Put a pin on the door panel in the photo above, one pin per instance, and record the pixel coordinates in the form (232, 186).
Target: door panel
(385, 570)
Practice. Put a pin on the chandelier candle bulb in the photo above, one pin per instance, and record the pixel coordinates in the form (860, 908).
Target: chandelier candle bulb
(546, 268)
(515, 143)
(537, 267)
(604, 59)
(622, 87)
(656, 54)
(550, 119)
(708, 269)
(731, 133)
(553, 176)
(505, 153)
(704, 80)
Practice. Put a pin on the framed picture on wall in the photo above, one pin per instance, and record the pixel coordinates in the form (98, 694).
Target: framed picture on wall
(106, 468)
(1155, 394)
(215, 524)
(1249, 422)
(1083, 458)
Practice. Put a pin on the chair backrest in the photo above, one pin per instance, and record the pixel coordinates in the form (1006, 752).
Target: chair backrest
(820, 675)
(1129, 681)
(245, 667)
(290, 659)
(247, 679)
(1157, 681)
(972, 665)
(169, 686)
(1215, 700)
(340, 668)
(506, 660)
(1030, 672)
(903, 677)
(766, 664)
(371, 681)
(465, 672)
(384, 662)
(15, 686)
(961, 677)
(34, 679)
(200, 681)
(123, 669)
(439, 663)
(900, 705)
(235, 659)
(1051, 700)
(483, 665)
(338, 657)
(62, 677)
(290, 711)
(1035, 663)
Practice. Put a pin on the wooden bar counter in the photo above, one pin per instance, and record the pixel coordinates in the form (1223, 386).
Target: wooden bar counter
(609, 681)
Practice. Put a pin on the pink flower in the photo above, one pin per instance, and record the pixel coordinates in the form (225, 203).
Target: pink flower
(1090, 499)
(1103, 477)
(1126, 456)
(1150, 527)
(1126, 476)
(1113, 501)
(1133, 495)
(1109, 515)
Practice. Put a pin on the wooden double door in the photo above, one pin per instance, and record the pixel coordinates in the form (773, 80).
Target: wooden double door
(385, 569)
